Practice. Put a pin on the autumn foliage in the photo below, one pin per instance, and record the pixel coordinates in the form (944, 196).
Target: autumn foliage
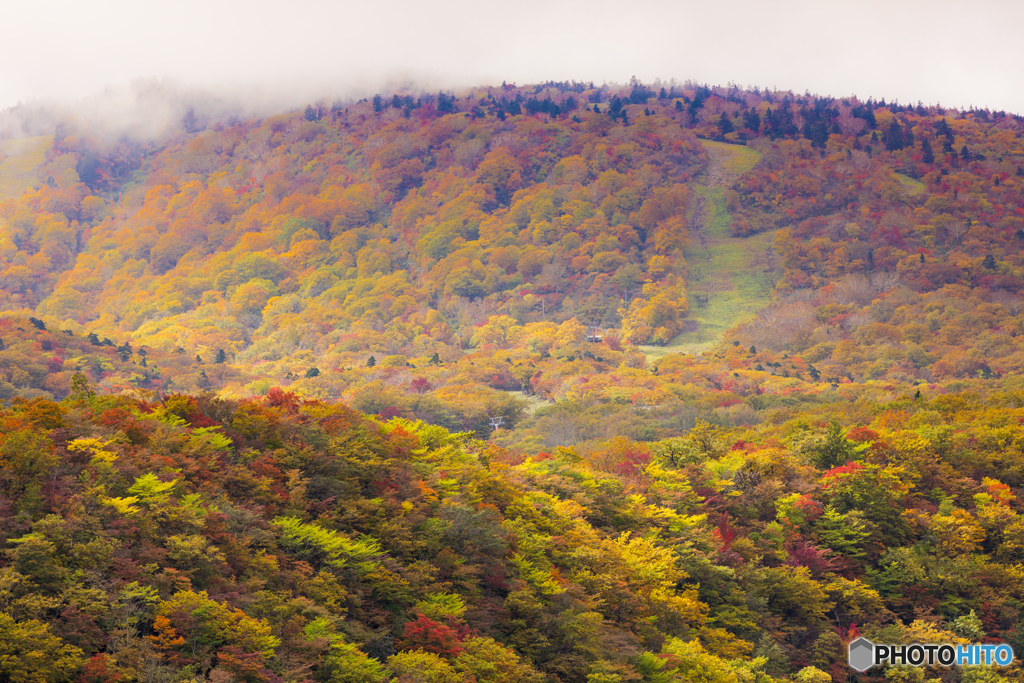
(393, 388)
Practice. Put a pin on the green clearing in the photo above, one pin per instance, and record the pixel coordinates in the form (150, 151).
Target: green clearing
(909, 184)
(532, 402)
(21, 160)
(731, 278)
(736, 159)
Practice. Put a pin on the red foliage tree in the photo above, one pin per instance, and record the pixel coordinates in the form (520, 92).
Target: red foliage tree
(431, 636)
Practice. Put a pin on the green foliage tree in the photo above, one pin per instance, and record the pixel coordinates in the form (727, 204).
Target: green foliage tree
(326, 546)
(927, 155)
(422, 667)
(845, 534)
(837, 449)
(724, 124)
(490, 662)
(30, 653)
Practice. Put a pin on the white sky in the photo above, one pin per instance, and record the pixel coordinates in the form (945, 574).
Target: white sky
(937, 51)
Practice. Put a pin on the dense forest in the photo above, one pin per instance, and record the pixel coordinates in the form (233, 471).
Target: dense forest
(288, 539)
(563, 382)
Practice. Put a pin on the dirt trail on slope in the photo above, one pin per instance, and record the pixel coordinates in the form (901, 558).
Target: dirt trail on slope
(731, 278)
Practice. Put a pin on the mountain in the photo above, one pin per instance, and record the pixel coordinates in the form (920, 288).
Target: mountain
(467, 243)
(544, 383)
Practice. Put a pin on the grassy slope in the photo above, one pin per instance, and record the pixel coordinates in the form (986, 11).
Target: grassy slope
(532, 402)
(22, 158)
(730, 279)
(909, 184)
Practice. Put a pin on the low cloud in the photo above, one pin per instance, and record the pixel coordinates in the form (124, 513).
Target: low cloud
(260, 56)
(151, 108)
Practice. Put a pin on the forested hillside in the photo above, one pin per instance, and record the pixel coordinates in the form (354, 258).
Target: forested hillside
(466, 232)
(548, 383)
(282, 539)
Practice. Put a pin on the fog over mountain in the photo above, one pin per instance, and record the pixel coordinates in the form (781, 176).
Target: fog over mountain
(261, 52)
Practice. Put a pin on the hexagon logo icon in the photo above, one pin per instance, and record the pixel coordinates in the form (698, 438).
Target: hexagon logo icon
(861, 654)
